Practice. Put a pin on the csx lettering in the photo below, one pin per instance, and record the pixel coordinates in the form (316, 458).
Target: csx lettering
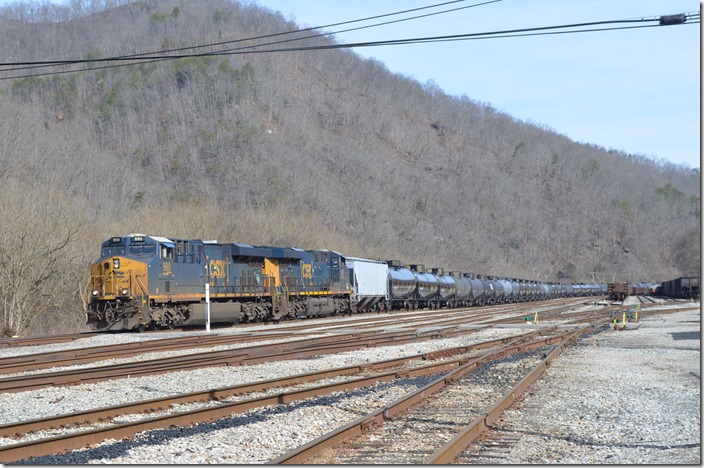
(217, 268)
(307, 270)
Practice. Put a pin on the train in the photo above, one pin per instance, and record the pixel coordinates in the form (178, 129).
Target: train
(685, 287)
(144, 282)
(620, 290)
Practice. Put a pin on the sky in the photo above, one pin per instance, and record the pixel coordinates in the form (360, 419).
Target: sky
(636, 91)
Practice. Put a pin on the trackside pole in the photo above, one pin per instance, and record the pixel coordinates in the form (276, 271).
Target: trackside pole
(207, 307)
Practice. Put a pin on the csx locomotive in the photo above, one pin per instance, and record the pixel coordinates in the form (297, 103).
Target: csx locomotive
(143, 281)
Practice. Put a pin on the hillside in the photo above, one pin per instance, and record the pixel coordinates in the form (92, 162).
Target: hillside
(318, 149)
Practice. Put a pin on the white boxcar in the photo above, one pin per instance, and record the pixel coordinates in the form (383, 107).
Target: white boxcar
(369, 280)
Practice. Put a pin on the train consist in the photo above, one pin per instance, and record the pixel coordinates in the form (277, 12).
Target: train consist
(685, 287)
(143, 281)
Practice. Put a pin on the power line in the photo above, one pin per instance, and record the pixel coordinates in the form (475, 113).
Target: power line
(49, 64)
(37, 64)
(685, 18)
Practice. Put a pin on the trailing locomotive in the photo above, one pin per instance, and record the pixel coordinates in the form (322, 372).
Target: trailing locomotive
(143, 281)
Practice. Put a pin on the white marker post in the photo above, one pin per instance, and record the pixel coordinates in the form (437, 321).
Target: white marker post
(207, 307)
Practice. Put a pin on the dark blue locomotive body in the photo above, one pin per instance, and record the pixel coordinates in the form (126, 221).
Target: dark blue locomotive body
(149, 281)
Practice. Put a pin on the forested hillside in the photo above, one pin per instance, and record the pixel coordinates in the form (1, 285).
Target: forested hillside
(317, 149)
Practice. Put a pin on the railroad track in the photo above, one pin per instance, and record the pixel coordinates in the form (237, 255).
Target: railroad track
(43, 340)
(71, 357)
(443, 404)
(353, 336)
(363, 376)
(367, 375)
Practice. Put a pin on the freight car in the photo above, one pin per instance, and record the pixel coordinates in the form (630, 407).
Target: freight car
(369, 280)
(685, 287)
(619, 291)
(155, 282)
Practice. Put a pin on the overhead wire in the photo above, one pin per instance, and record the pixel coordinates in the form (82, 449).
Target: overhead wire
(266, 36)
(152, 59)
(689, 18)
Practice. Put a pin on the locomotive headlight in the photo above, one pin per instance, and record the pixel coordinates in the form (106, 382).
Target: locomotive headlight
(95, 292)
(116, 263)
(125, 291)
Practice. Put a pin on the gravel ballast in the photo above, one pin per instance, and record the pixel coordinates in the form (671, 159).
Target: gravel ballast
(614, 397)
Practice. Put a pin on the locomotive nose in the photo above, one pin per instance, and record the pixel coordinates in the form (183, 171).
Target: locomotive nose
(110, 279)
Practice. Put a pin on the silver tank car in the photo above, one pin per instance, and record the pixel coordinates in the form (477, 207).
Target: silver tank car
(489, 290)
(447, 288)
(508, 289)
(428, 285)
(545, 291)
(464, 289)
(523, 290)
(534, 293)
(402, 283)
(576, 290)
(499, 290)
(515, 290)
(477, 294)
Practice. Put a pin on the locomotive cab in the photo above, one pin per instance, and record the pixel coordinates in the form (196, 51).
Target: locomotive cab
(119, 281)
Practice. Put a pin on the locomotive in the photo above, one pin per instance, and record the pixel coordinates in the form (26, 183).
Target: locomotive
(142, 281)
(145, 281)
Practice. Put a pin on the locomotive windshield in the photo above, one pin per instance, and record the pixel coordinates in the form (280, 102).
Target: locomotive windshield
(135, 247)
(113, 250)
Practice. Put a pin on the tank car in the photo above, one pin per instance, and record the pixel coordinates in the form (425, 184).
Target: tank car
(447, 288)
(464, 289)
(143, 281)
(478, 291)
(508, 289)
(402, 286)
(544, 291)
(427, 290)
(489, 289)
(499, 290)
(515, 290)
